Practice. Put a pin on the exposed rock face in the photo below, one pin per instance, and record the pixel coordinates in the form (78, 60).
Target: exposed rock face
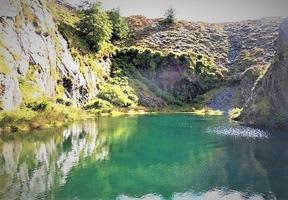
(10, 93)
(36, 57)
(269, 97)
(247, 81)
(235, 45)
(245, 48)
(224, 100)
(35, 52)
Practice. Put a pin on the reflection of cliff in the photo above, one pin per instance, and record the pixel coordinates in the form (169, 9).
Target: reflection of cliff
(167, 162)
(31, 167)
(275, 158)
(143, 155)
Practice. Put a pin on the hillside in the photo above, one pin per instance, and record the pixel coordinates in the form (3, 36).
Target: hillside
(234, 45)
(48, 71)
(245, 48)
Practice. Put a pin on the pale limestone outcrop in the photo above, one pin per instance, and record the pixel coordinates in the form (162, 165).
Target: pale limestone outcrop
(30, 41)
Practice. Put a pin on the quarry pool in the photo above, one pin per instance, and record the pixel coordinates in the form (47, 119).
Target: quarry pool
(157, 156)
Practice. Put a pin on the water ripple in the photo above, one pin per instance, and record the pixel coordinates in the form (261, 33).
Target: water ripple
(215, 194)
(239, 132)
(145, 197)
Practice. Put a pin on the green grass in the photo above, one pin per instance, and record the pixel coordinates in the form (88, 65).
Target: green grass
(49, 116)
(117, 95)
(99, 106)
(202, 100)
(29, 90)
(62, 14)
(235, 114)
(207, 111)
(4, 69)
(168, 98)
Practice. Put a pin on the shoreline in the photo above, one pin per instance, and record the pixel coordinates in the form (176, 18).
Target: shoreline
(27, 120)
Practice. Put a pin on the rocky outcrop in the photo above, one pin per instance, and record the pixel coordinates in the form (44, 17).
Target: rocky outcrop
(175, 78)
(36, 60)
(224, 100)
(269, 100)
(37, 55)
(245, 48)
(234, 45)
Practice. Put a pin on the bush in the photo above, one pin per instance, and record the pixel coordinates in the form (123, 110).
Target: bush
(95, 26)
(119, 24)
(99, 104)
(40, 107)
(169, 16)
(118, 95)
(235, 114)
(39, 116)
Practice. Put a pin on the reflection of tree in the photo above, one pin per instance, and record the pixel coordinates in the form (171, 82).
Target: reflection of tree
(140, 155)
(161, 164)
(31, 166)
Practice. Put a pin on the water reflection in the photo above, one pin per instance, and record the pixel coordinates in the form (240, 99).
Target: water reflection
(144, 157)
(33, 165)
(210, 195)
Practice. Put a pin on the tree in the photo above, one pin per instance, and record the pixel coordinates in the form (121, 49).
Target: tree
(119, 23)
(170, 16)
(95, 27)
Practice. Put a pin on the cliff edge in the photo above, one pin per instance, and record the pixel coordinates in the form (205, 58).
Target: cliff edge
(268, 103)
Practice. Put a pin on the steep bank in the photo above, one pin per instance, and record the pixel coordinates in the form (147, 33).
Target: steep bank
(37, 60)
(233, 45)
(43, 57)
(41, 82)
(268, 104)
(47, 68)
(245, 48)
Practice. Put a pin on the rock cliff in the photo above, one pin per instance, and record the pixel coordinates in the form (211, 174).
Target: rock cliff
(268, 104)
(235, 45)
(42, 56)
(245, 48)
(35, 58)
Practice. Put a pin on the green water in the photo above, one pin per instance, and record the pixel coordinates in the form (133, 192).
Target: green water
(163, 156)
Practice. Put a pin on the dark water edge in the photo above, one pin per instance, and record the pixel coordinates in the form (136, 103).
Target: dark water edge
(155, 156)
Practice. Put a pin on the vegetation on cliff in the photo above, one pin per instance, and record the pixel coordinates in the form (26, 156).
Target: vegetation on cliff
(268, 104)
(134, 72)
(104, 72)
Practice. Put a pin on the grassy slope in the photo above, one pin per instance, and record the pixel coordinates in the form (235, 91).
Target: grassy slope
(46, 113)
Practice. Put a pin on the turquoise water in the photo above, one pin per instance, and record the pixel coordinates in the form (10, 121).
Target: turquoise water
(161, 156)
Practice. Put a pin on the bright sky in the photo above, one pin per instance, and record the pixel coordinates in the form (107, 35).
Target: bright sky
(201, 10)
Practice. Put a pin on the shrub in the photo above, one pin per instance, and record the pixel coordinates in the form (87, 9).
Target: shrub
(39, 116)
(99, 104)
(169, 16)
(235, 114)
(60, 101)
(118, 95)
(68, 103)
(42, 106)
(95, 26)
(119, 24)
